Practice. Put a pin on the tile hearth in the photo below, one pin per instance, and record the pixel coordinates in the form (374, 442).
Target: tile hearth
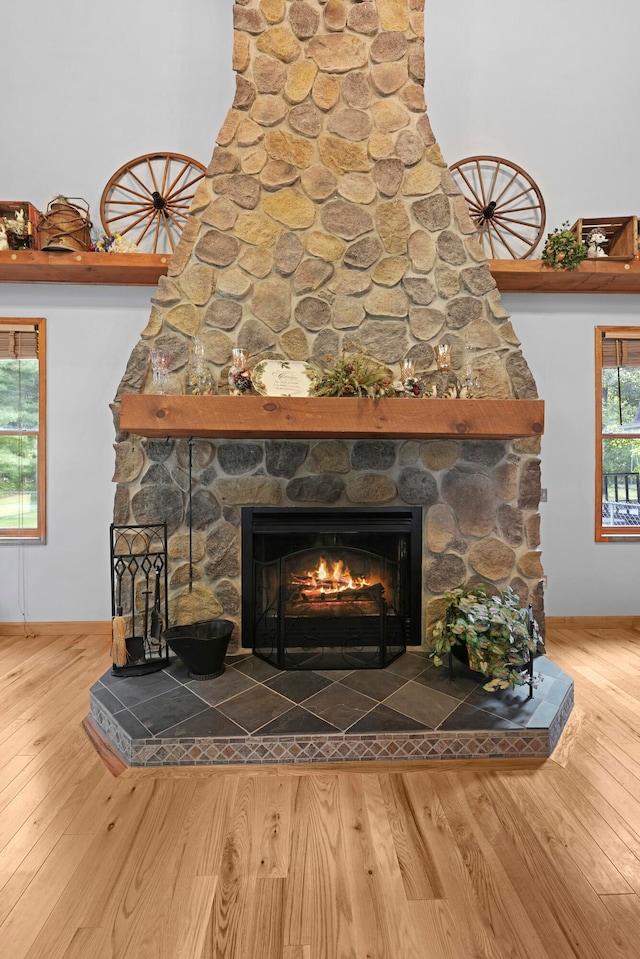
(254, 713)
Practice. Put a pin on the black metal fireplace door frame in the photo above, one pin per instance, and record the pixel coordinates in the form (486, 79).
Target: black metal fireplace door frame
(364, 523)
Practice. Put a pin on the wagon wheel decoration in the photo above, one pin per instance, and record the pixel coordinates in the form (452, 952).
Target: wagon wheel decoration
(147, 200)
(505, 204)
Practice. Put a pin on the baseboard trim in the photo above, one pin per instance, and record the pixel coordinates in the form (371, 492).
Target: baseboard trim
(98, 628)
(103, 627)
(592, 622)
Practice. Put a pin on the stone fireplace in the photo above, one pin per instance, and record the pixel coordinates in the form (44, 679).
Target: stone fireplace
(328, 217)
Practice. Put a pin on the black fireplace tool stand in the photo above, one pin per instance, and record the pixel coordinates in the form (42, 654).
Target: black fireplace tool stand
(139, 593)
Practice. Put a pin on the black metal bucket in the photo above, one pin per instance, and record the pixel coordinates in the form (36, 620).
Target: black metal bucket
(201, 646)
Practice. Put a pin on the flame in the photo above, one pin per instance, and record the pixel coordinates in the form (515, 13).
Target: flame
(332, 578)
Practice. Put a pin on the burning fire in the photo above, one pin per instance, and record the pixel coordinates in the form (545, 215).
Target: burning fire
(329, 579)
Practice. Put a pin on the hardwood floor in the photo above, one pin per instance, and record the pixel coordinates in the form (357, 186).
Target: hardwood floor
(457, 860)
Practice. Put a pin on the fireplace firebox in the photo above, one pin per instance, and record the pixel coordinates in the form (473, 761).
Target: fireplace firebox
(331, 588)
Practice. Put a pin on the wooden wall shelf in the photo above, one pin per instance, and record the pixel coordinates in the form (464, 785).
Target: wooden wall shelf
(288, 417)
(591, 276)
(144, 269)
(116, 269)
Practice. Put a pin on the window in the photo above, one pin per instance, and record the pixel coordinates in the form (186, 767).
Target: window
(22, 429)
(618, 432)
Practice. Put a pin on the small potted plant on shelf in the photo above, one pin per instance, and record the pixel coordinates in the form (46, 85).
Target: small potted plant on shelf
(563, 250)
(495, 634)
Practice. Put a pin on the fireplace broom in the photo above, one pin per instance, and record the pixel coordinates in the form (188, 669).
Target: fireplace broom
(118, 641)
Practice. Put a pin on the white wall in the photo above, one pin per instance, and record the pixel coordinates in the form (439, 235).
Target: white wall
(550, 85)
(99, 84)
(89, 331)
(102, 84)
(584, 578)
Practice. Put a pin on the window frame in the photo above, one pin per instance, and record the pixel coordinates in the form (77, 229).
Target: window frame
(38, 533)
(608, 534)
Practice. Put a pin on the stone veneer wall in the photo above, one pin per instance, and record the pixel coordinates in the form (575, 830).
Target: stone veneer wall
(328, 217)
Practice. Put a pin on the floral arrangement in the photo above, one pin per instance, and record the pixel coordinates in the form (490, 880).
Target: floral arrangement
(240, 380)
(499, 635)
(351, 374)
(113, 243)
(412, 386)
(563, 250)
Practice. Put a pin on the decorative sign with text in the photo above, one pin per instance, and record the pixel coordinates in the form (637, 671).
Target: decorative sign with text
(281, 378)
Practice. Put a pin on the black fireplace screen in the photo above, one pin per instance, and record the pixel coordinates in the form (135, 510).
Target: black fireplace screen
(331, 588)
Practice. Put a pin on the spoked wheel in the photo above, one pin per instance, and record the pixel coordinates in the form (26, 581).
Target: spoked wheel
(147, 200)
(504, 202)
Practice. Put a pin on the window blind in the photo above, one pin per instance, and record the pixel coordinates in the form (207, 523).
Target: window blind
(618, 351)
(18, 342)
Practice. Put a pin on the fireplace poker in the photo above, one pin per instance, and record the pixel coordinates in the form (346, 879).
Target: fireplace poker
(157, 621)
(118, 641)
(190, 515)
(146, 594)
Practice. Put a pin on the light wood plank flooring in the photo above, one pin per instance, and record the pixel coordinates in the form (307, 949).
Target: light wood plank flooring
(457, 860)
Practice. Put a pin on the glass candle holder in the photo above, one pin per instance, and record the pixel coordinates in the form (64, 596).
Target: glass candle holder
(407, 369)
(443, 357)
(407, 373)
(239, 358)
(199, 379)
(239, 373)
(470, 383)
(470, 376)
(160, 361)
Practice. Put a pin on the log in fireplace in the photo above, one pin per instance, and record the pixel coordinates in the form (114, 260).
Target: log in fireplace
(331, 588)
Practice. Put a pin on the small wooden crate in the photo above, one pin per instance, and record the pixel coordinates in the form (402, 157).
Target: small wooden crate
(621, 233)
(8, 209)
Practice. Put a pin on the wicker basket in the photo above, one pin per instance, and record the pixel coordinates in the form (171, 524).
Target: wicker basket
(65, 226)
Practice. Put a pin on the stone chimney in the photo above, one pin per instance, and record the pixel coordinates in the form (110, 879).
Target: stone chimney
(328, 217)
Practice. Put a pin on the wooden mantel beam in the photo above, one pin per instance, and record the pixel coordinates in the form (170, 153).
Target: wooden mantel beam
(288, 417)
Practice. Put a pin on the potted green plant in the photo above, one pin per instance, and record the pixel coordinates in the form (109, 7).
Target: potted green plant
(498, 636)
(563, 250)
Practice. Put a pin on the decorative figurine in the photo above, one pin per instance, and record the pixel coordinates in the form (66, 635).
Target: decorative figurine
(4, 243)
(595, 241)
(17, 231)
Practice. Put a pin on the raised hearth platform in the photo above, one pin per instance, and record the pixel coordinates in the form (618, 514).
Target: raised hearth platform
(255, 713)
